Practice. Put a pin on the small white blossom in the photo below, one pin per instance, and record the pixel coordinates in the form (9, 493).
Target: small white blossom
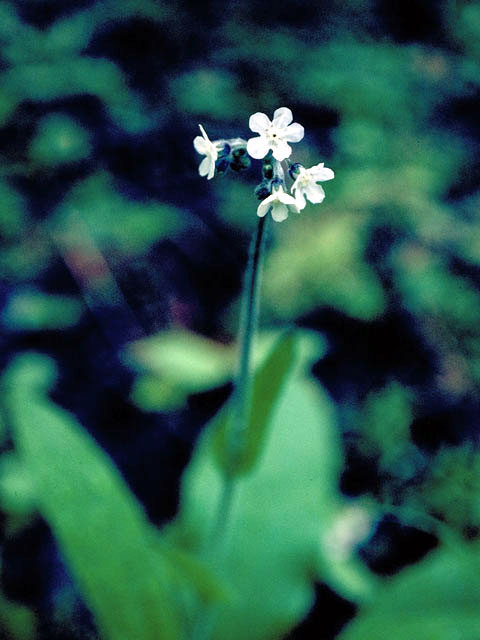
(280, 203)
(274, 135)
(306, 185)
(206, 147)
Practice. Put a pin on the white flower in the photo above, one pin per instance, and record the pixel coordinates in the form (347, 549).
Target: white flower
(274, 135)
(305, 186)
(209, 149)
(280, 203)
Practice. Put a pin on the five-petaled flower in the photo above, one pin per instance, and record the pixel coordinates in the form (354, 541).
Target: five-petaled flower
(206, 147)
(280, 203)
(275, 135)
(306, 184)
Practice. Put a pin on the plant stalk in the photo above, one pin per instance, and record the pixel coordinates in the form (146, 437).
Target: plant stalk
(242, 397)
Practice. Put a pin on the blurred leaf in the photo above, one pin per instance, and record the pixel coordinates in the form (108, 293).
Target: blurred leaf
(207, 92)
(154, 393)
(114, 222)
(450, 489)
(46, 81)
(12, 212)
(59, 140)
(385, 424)
(187, 569)
(17, 490)
(363, 79)
(434, 600)
(99, 526)
(278, 512)
(329, 270)
(467, 27)
(268, 384)
(178, 363)
(184, 357)
(31, 310)
(175, 364)
(429, 288)
(16, 621)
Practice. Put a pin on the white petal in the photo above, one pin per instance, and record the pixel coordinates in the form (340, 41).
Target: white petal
(259, 122)
(200, 145)
(206, 167)
(282, 117)
(286, 199)
(294, 133)
(204, 133)
(300, 199)
(211, 171)
(281, 150)
(279, 212)
(258, 147)
(322, 173)
(315, 193)
(264, 206)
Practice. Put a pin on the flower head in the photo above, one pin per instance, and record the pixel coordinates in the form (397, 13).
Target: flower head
(279, 203)
(275, 135)
(306, 184)
(209, 149)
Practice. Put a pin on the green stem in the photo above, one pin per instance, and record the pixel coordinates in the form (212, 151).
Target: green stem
(244, 384)
(241, 410)
(248, 326)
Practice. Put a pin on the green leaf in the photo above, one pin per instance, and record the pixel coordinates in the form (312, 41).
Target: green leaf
(176, 363)
(17, 622)
(267, 387)
(17, 491)
(59, 140)
(437, 599)
(69, 76)
(277, 515)
(101, 529)
(114, 222)
(330, 267)
(29, 310)
(185, 358)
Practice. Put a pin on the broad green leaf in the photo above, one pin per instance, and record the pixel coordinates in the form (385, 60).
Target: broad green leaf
(185, 569)
(101, 529)
(277, 515)
(267, 387)
(437, 599)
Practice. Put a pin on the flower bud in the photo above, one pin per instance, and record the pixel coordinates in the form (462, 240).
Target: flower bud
(294, 169)
(267, 169)
(222, 165)
(262, 190)
(276, 182)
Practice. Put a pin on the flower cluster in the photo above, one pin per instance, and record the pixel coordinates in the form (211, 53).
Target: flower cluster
(271, 145)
